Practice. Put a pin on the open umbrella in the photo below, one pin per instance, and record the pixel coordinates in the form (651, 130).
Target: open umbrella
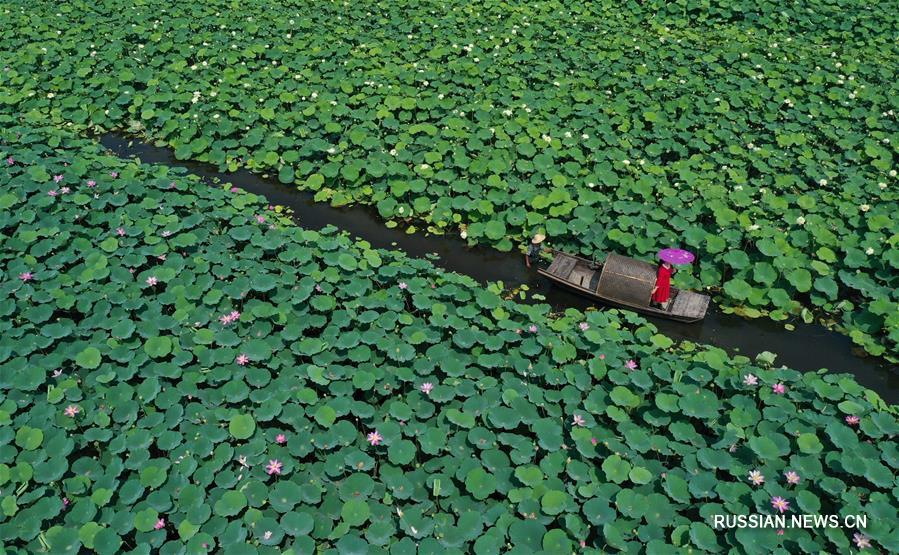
(676, 256)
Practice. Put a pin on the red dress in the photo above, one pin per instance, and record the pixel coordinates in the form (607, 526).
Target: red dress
(663, 284)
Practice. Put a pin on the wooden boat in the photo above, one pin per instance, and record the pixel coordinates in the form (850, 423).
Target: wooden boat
(624, 282)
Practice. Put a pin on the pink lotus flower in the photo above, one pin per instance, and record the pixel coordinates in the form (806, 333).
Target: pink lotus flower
(10, 161)
(71, 411)
(172, 185)
(403, 285)
(792, 477)
(318, 288)
(780, 504)
(235, 190)
(861, 541)
(26, 276)
(594, 441)
(779, 388)
(160, 524)
(374, 438)
(852, 420)
(113, 174)
(91, 183)
(583, 543)
(64, 190)
(267, 535)
(532, 328)
(260, 218)
(602, 356)
(65, 501)
(280, 439)
(52, 193)
(166, 233)
(161, 257)
(780, 532)
(426, 388)
(120, 231)
(578, 420)
(274, 467)
(57, 178)
(750, 379)
(242, 359)
(232, 316)
(584, 326)
(631, 364)
(755, 476)
(152, 281)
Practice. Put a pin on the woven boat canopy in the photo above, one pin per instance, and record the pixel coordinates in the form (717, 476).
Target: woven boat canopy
(626, 280)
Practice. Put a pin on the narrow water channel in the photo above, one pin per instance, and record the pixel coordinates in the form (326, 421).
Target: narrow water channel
(808, 348)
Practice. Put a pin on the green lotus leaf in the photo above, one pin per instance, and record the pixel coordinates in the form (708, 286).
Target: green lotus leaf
(479, 483)
(616, 469)
(703, 537)
(29, 438)
(640, 475)
(355, 512)
(809, 443)
(158, 347)
(241, 426)
(146, 519)
(764, 447)
(230, 503)
(88, 358)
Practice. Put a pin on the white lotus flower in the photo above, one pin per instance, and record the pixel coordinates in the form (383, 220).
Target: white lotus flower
(882, 185)
(869, 251)
(892, 173)
(864, 207)
(800, 220)
(626, 162)
(822, 182)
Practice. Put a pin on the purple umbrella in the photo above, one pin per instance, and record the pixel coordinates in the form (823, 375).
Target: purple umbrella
(676, 256)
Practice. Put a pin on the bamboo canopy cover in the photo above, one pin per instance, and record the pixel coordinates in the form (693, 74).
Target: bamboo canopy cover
(626, 280)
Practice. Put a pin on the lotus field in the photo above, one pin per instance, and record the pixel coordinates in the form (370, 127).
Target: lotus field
(183, 370)
(760, 135)
(186, 369)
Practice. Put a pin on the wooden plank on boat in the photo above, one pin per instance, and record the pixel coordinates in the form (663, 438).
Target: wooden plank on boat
(689, 304)
(566, 265)
(557, 261)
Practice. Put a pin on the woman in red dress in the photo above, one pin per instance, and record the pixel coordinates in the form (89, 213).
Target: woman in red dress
(662, 290)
